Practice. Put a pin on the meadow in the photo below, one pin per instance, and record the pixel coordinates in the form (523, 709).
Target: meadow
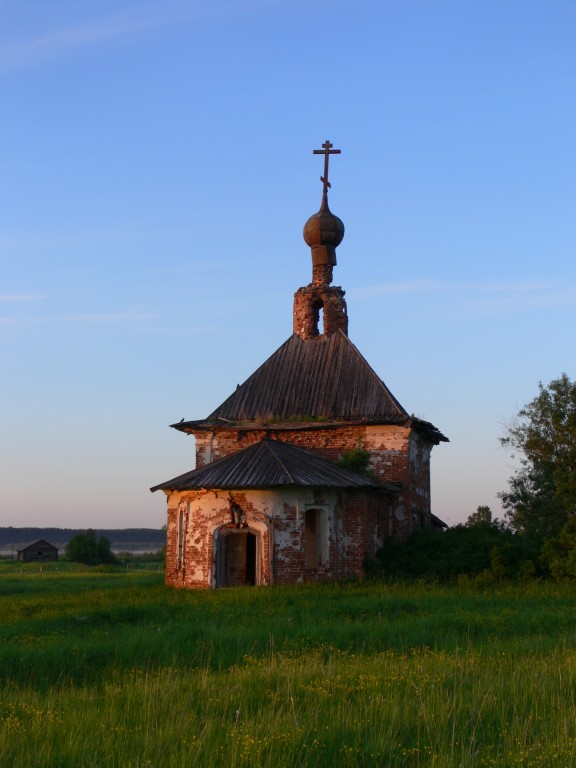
(111, 669)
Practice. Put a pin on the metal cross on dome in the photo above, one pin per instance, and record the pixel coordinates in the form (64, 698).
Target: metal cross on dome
(326, 151)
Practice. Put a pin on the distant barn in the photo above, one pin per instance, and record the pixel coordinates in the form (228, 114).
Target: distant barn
(39, 551)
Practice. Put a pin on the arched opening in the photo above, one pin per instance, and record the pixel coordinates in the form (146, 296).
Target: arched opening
(315, 538)
(318, 317)
(180, 537)
(237, 556)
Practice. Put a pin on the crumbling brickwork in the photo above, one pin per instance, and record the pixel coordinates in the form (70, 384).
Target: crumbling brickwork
(310, 302)
(397, 455)
(353, 525)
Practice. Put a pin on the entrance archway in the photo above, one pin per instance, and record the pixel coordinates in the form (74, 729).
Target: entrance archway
(237, 556)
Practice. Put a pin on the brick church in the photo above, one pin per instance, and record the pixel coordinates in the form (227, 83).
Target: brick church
(273, 498)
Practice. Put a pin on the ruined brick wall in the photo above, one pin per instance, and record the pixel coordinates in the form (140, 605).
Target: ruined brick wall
(309, 301)
(398, 455)
(355, 524)
(330, 443)
(341, 533)
(350, 524)
(190, 557)
(389, 446)
(322, 273)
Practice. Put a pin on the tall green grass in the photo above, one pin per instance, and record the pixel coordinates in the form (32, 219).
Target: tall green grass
(108, 669)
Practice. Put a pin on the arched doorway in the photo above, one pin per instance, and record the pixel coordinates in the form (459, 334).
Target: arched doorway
(237, 558)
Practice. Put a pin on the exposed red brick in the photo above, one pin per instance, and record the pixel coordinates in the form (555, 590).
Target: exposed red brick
(316, 299)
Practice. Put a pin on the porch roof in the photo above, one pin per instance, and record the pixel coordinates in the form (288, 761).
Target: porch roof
(269, 464)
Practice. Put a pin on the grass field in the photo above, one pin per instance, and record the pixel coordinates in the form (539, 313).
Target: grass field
(112, 669)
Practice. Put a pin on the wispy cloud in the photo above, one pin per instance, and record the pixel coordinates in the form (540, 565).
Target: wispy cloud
(125, 316)
(44, 240)
(384, 289)
(482, 295)
(18, 298)
(128, 316)
(59, 41)
(527, 297)
(201, 266)
(120, 25)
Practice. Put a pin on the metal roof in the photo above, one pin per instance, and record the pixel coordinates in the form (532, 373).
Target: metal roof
(269, 464)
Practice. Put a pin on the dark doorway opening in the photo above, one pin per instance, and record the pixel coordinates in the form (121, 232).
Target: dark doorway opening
(237, 560)
(250, 560)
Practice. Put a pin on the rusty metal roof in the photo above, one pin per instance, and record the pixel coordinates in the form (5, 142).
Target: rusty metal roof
(269, 464)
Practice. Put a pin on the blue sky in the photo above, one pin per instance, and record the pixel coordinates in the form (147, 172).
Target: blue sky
(157, 170)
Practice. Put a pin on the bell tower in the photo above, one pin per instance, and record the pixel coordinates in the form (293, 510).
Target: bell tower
(320, 308)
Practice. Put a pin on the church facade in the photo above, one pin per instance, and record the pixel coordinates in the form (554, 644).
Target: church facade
(310, 464)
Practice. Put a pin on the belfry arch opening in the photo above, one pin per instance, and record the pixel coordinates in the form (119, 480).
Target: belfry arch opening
(318, 317)
(237, 558)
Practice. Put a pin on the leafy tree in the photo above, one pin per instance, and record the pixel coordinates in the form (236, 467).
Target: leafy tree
(483, 518)
(542, 492)
(85, 548)
(559, 553)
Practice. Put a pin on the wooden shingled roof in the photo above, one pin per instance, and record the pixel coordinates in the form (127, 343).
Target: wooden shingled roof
(323, 378)
(269, 464)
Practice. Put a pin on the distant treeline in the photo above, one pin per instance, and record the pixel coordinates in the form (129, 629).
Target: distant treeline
(61, 536)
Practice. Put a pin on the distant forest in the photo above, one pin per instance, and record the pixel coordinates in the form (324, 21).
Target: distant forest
(118, 537)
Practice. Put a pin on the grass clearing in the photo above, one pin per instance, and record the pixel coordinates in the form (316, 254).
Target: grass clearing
(112, 669)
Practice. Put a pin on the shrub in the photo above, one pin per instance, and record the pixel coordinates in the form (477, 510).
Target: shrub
(441, 556)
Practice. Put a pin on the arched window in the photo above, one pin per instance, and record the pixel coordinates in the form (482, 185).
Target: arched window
(315, 538)
(180, 536)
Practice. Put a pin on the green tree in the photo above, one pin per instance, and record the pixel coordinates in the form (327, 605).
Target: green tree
(85, 548)
(482, 517)
(559, 553)
(542, 493)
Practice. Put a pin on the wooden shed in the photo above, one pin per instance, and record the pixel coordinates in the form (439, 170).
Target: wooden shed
(40, 551)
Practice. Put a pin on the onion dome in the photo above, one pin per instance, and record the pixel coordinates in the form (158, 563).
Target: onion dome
(323, 232)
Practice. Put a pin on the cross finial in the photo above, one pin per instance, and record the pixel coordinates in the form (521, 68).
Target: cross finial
(326, 151)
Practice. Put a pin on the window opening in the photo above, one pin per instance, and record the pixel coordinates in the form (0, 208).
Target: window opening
(315, 538)
(180, 532)
(311, 559)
